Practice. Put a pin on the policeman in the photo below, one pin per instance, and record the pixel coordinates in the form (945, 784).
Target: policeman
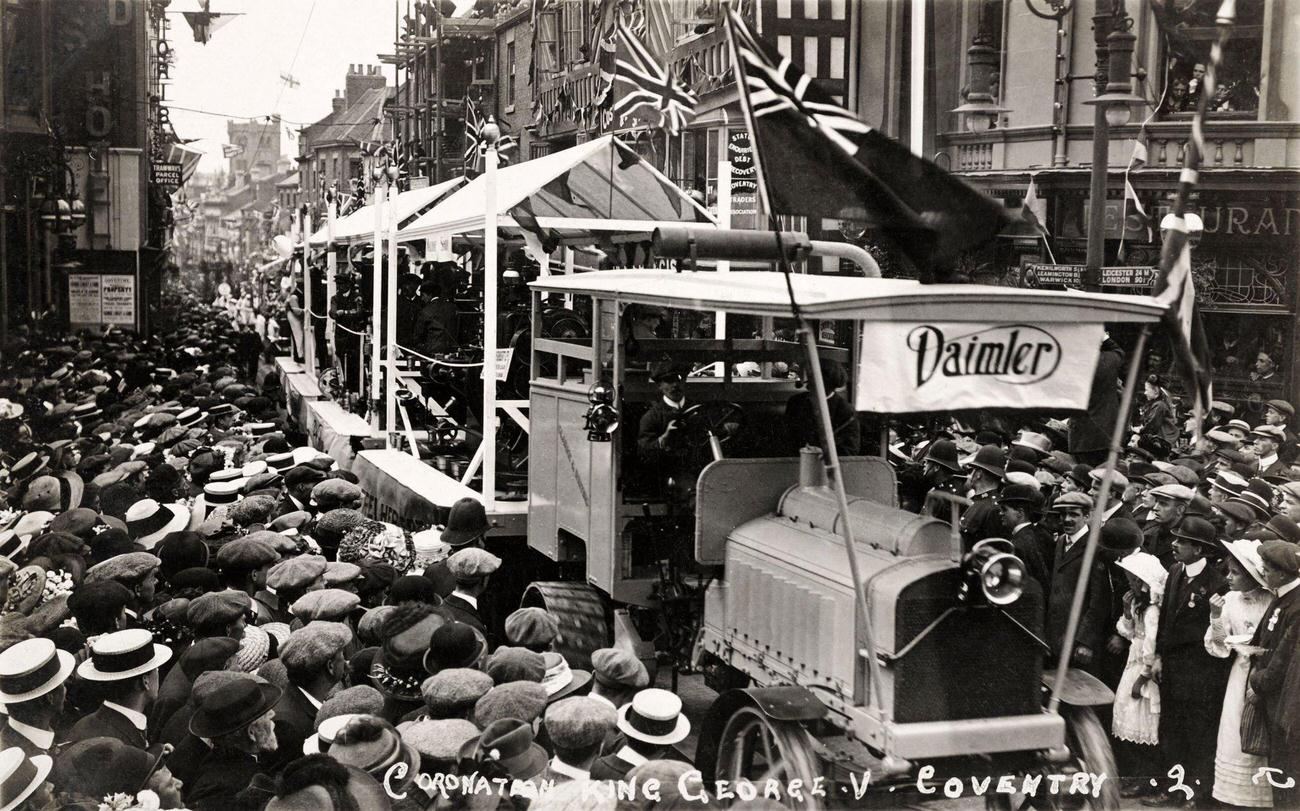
(982, 518)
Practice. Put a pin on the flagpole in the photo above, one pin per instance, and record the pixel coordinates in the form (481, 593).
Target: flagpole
(875, 690)
(1175, 243)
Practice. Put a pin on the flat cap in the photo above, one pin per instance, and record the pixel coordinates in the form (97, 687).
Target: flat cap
(1291, 489)
(515, 664)
(252, 510)
(1281, 407)
(361, 699)
(618, 667)
(337, 572)
(129, 567)
(1282, 555)
(303, 474)
(468, 564)
(296, 573)
(1159, 479)
(452, 692)
(289, 523)
(532, 628)
(246, 554)
(222, 607)
(524, 700)
(438, 740)
(579, 722)
(333, 493)
(1184, 475)
(325, 604)
(1274, 432)
(1077, 500)
(1117, 479)
(1172, 492)
(314, 644)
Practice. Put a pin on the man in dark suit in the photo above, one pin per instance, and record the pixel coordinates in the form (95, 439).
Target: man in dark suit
(1191, 680)
(124, 666)
(1020, 505)
(315, 661)
(472, 568)
(651, 725)
(298, 484)
(1093, 631)
(803, 420)
(1270, 671)
(32, 676)
(236, 717)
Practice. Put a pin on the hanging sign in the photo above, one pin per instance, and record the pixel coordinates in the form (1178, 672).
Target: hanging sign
(504, 357)
(167, 175)
(910, 367)
(744, 176)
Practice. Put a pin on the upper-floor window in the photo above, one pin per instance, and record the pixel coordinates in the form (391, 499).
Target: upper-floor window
(1188, 32)
(575, 26)
(510, 73)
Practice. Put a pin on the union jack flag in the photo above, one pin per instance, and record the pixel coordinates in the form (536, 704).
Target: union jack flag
(815, 158)
(475, 148)
(649, 84)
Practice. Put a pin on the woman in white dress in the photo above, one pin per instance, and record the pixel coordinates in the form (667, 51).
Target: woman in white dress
(1233, 619)
(1136, 716)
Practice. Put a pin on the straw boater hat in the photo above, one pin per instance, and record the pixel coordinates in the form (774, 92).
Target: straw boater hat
(148, 521)
(654, 716)
(31, 669)
(20, 776)
(123, 655)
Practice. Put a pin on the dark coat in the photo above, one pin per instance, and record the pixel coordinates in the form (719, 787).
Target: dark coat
(10, 737)
(436, 327)
(1276, 680)
(1094, 629)
(1037, 550)
(678, 460)
(456, 608)
(1091, 431)
(220, 777)
(982, 520)
(295, 721)
(1191, 680)
(1158, 540)
(803, 424)
(611, 767)
(107, 723)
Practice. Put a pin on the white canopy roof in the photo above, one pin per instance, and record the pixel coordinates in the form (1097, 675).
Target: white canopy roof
(359, 225)
(765, 293)
(600, 185)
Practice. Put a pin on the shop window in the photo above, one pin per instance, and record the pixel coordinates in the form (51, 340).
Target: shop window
(1189, 34)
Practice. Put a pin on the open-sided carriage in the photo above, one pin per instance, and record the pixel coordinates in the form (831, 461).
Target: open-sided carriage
(944, 666)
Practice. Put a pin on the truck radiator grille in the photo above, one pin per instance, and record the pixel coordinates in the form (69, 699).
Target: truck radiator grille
(975, 664)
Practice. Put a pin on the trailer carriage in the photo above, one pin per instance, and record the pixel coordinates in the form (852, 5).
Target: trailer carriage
(757, 567)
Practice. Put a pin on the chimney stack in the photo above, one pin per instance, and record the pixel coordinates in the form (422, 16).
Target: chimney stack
(360, 79)
(337, 101)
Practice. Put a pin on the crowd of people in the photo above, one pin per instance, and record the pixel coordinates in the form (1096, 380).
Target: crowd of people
(1190, 613)
(196, 613)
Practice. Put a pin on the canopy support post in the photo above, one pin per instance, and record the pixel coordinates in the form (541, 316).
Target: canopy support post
(308, 325)
(390, 405)
(331, 273)
(490, 327)
(377, 303)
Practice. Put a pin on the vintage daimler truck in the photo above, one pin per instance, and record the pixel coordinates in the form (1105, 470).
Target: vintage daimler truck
(943, 669)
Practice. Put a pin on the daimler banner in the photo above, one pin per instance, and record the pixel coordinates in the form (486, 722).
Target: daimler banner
(908, 367)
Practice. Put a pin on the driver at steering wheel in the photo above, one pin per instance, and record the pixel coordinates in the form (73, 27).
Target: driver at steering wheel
(662, 439)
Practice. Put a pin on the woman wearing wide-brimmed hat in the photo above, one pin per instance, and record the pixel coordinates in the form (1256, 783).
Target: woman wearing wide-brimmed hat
(1233, 620)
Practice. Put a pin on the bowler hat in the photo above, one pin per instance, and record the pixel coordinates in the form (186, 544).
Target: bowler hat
(232, 707)
(455, 644)
(1197, 530)
(1021, 495)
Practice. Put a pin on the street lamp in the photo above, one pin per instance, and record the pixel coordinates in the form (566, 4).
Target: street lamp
(1118, 99)
(981, 111)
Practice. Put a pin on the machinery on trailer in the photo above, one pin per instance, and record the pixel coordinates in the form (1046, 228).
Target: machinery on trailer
(937, 662)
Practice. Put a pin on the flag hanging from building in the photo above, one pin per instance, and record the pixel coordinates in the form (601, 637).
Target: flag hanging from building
(204, 23)
(648, 84)
(816, 158)
(1175, 285)
(475, 148)
(232, 150)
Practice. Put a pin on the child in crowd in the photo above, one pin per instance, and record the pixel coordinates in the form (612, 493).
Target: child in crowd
(1136, 716)
(1233, 619)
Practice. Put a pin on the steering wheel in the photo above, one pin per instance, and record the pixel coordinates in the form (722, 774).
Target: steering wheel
(703, 419)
